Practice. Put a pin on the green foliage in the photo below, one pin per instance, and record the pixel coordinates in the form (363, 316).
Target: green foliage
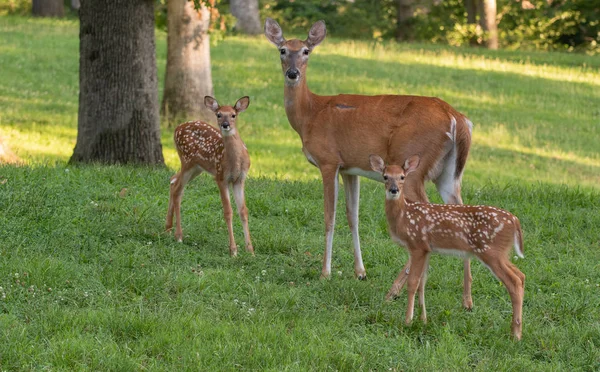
(370, 19)
(550, 25)
(20, 7)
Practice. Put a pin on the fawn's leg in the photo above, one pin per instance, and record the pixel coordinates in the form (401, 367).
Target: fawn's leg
(330, 193)
(399, 282)
(177, 187)
(418, 260)
(240, 202)
(228, 215)
(422, 291)
(515, 285)
(352, 189)
(171, 209)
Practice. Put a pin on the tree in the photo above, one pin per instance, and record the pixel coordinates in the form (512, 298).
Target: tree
(404, 17)
(487, 21)
(48, 8)
(246, 13)
(188, 74)
(118, 93)
(471, 7)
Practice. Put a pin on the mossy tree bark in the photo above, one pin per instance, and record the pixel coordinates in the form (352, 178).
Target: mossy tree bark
(246, 13)
(487, 20)
(188, 75)
(118, 90)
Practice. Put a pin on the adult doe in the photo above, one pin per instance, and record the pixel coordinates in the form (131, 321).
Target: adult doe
(202, 148)
(486, 233)
(339, 133)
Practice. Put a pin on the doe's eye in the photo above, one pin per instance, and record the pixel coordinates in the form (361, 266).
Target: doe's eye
(282, 51)
(219, 115)
(306, 52)
(401, 177)
(233, 116)
(385, 178)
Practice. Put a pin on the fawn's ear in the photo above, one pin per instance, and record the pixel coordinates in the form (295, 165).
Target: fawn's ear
(316, 34)
(273, 32)
(411, 164)
(242, 104)
(377, 163)
(211, 103)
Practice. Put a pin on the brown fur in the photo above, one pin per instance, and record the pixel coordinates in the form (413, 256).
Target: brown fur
(202, 148)
(340, 132)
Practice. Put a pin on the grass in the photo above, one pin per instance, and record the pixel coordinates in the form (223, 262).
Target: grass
(90, 282)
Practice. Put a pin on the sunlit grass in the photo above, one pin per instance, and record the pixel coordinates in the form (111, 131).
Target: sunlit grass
(520, 103)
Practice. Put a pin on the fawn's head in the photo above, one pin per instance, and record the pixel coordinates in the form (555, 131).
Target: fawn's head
(294, 53)
(393, 175)
(226, 115)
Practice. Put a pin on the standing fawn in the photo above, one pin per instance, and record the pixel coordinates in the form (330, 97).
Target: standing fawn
(202, 148)
(486, 233)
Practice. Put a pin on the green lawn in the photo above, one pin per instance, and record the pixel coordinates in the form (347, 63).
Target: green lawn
(89, 280)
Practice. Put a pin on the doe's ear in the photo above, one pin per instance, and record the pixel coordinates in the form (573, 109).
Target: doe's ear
(411, 164)
(316, 34)
(273, 32)
(377, 163)
(211, 103)
(242, 104)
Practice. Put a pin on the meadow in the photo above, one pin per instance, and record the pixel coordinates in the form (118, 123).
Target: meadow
(90, 281)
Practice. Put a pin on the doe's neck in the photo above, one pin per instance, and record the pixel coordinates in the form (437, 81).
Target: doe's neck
(299, 102)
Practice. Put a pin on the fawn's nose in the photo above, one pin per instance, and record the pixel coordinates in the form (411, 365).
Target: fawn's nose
(292, 73)
(394, 190)
(225, 125)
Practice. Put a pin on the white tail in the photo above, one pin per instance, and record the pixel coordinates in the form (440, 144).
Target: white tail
(484, 232)
(339, 133)
(202, 148)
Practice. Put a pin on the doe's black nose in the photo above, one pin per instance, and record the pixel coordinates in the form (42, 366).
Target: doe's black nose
(292, 73)
(394, 191)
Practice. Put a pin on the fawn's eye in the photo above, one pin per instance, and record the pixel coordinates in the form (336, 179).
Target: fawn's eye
(282, 51)
(233, 116)
(401, 177)
(219, 115)
(385, 178)
(306, 52)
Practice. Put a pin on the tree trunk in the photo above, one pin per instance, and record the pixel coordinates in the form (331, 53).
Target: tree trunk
(487, 20)
(471, 7)
(7, 156)
(188, 75)
(246, 13)
(118, 89)
(48, 8)
(404, 17)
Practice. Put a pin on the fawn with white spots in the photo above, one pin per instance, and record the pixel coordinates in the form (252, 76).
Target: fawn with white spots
(203, 148)
(484, 232)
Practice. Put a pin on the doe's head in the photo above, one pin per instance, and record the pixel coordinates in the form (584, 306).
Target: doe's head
(393, 175)
(226, 115)
(294, 53)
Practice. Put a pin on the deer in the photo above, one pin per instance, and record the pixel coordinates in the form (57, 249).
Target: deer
(484, 232)
(221, 153)
(338, 133)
